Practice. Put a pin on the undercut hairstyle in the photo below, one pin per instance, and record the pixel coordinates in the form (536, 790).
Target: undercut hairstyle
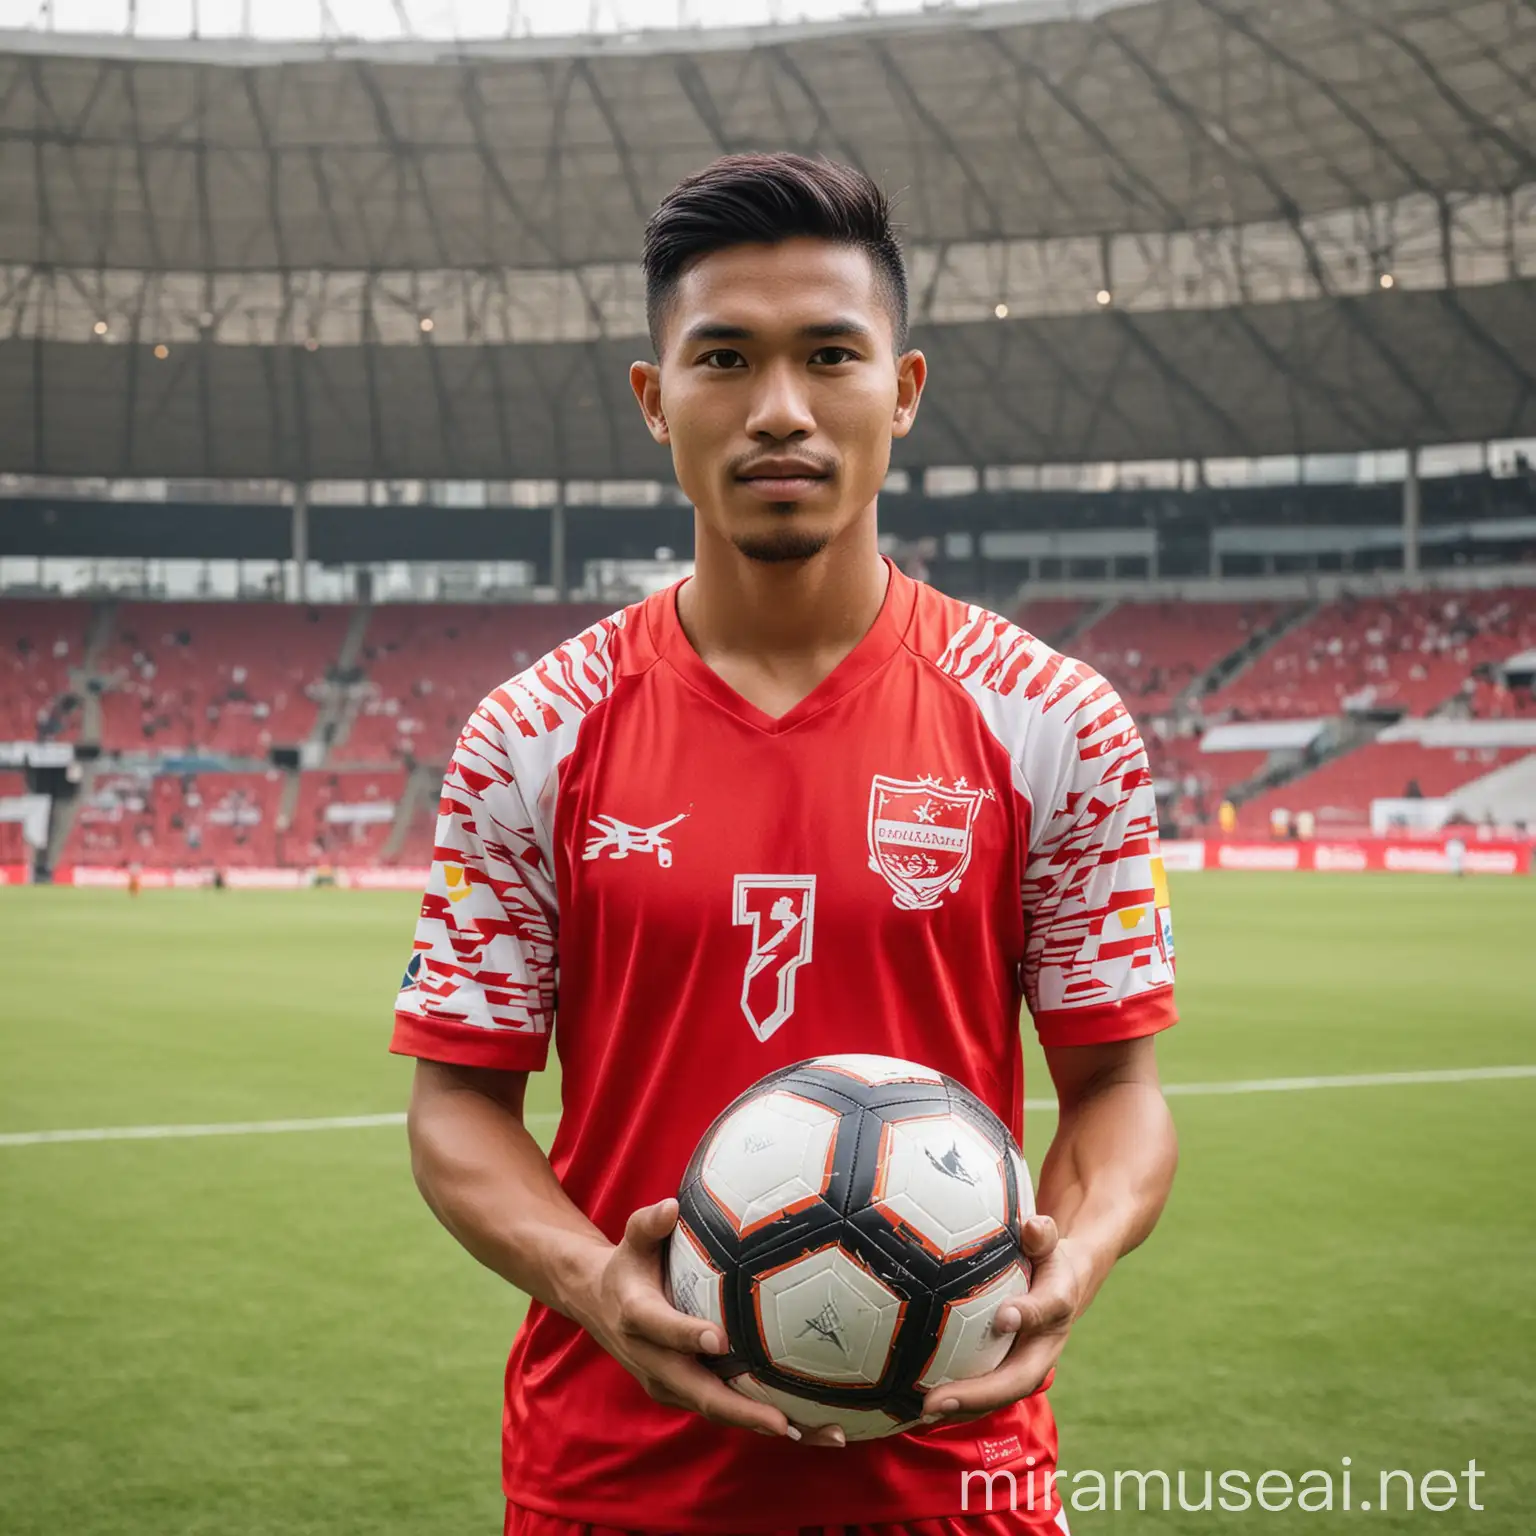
(762, 199)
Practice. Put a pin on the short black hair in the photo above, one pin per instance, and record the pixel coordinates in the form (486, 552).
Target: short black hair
(763, 199)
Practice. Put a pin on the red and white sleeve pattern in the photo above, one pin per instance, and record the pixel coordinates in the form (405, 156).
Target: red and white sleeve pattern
(1098, 958)
(480, 988)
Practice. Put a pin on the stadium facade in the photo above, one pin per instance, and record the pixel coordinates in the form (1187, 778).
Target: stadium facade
(1222, 299)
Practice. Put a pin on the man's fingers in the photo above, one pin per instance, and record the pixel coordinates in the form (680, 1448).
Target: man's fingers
(645, 1316)
(1020, 1374)
(647, 1227)
(1039, 1237)
(1041, 1310)
(706, 1394)
(826, 1436)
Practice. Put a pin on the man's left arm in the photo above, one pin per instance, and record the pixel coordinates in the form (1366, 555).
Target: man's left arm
(1098, 981)
(1103, 1185)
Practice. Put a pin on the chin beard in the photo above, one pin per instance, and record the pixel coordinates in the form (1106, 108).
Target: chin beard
(781, 545)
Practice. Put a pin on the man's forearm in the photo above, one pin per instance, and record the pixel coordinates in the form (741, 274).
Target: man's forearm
(1107, 1174)
(489, 1183)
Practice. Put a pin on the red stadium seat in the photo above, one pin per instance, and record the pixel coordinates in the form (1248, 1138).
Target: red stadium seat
(1407, 651)
(40, 641)
(179, 821)
(1339, 794)
(231, 678)
(1051, 617)
(1152, 652)
(317, 837)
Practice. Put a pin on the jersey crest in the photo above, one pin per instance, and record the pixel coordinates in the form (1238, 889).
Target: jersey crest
(920, 837)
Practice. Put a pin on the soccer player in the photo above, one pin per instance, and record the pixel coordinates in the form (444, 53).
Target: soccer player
(752, 754)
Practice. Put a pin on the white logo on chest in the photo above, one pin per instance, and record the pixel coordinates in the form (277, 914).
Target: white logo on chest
(618, 839)
(781, 911)
(920, 837)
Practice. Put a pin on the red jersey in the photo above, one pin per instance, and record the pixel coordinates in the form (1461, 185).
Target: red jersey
(956, 820)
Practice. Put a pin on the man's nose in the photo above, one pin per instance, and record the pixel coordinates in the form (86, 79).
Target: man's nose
(781, 406)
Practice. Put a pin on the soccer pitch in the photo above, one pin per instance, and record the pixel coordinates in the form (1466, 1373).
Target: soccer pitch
(244, 1334)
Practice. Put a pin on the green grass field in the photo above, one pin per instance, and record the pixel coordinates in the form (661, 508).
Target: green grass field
(252, 1334)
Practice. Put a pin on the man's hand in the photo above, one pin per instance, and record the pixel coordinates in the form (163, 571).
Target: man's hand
(625, 1308)
(1041, 1319)
(1104, 1180)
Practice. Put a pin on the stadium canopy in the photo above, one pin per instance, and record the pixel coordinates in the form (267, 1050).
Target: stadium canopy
(1184, 228)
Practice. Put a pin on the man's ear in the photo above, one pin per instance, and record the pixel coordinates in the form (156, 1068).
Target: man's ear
(645, 380)
(911, 375)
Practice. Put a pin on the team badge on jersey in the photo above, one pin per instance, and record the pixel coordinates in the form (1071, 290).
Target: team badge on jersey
(412, 971)
(920, 837)
(781, 911)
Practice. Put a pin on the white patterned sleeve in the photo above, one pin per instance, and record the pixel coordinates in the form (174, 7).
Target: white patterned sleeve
(1098, 960)
(479, 989)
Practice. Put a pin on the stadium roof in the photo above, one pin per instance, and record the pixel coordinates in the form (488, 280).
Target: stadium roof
(1183, 228)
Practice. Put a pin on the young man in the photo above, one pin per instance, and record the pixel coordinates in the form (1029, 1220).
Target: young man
(620, 822)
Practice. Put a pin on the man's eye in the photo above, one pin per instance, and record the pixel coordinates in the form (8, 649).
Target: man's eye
(723, 357)
(830, 357)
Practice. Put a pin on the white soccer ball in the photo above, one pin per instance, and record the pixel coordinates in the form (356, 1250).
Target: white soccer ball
(852, 1223)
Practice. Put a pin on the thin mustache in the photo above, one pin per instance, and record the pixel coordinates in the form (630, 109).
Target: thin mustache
(814, 463)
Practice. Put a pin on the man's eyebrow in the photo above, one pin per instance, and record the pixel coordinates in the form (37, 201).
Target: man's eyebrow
(714, 330)
(829, 330)
(824, 330)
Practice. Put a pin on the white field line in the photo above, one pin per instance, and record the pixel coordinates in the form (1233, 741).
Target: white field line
(544, 1118)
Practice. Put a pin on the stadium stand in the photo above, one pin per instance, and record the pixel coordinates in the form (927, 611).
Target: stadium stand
(420, 835)
(232, 678)
(1053, 617)
(1152, 652)
(428, 665)
(1340, 792)
(178, 821)
(13, 845)
(1191, 784)
(343, 818)
(1492, 699)
(1411, 651)
(41, 640)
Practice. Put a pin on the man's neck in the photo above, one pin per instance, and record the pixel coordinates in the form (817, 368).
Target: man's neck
(774, 630)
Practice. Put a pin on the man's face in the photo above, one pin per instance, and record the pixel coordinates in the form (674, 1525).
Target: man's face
(779, 391)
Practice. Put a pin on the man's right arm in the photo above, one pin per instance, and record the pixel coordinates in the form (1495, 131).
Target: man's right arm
(489, 1183)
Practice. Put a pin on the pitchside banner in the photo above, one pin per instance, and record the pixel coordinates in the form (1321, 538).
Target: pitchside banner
(1343, 856)
(255, 879)
(1182, 857)
(1354, 856)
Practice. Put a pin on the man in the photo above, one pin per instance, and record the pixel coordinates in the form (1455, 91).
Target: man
(621, 817)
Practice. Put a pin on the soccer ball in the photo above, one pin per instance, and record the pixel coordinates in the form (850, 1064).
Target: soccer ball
(852, 1223)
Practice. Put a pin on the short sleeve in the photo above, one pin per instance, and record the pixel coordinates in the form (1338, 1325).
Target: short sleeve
(480, 987)
(1098, 959)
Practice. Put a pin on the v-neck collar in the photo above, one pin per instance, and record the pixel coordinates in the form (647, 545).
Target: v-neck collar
(880, 642)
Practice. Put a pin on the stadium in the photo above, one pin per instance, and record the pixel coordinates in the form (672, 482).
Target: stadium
(314, 428)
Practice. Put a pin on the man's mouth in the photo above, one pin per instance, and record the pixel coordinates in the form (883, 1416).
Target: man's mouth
(783, 479)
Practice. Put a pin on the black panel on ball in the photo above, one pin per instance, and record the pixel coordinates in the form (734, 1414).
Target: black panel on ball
(871, 1234)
